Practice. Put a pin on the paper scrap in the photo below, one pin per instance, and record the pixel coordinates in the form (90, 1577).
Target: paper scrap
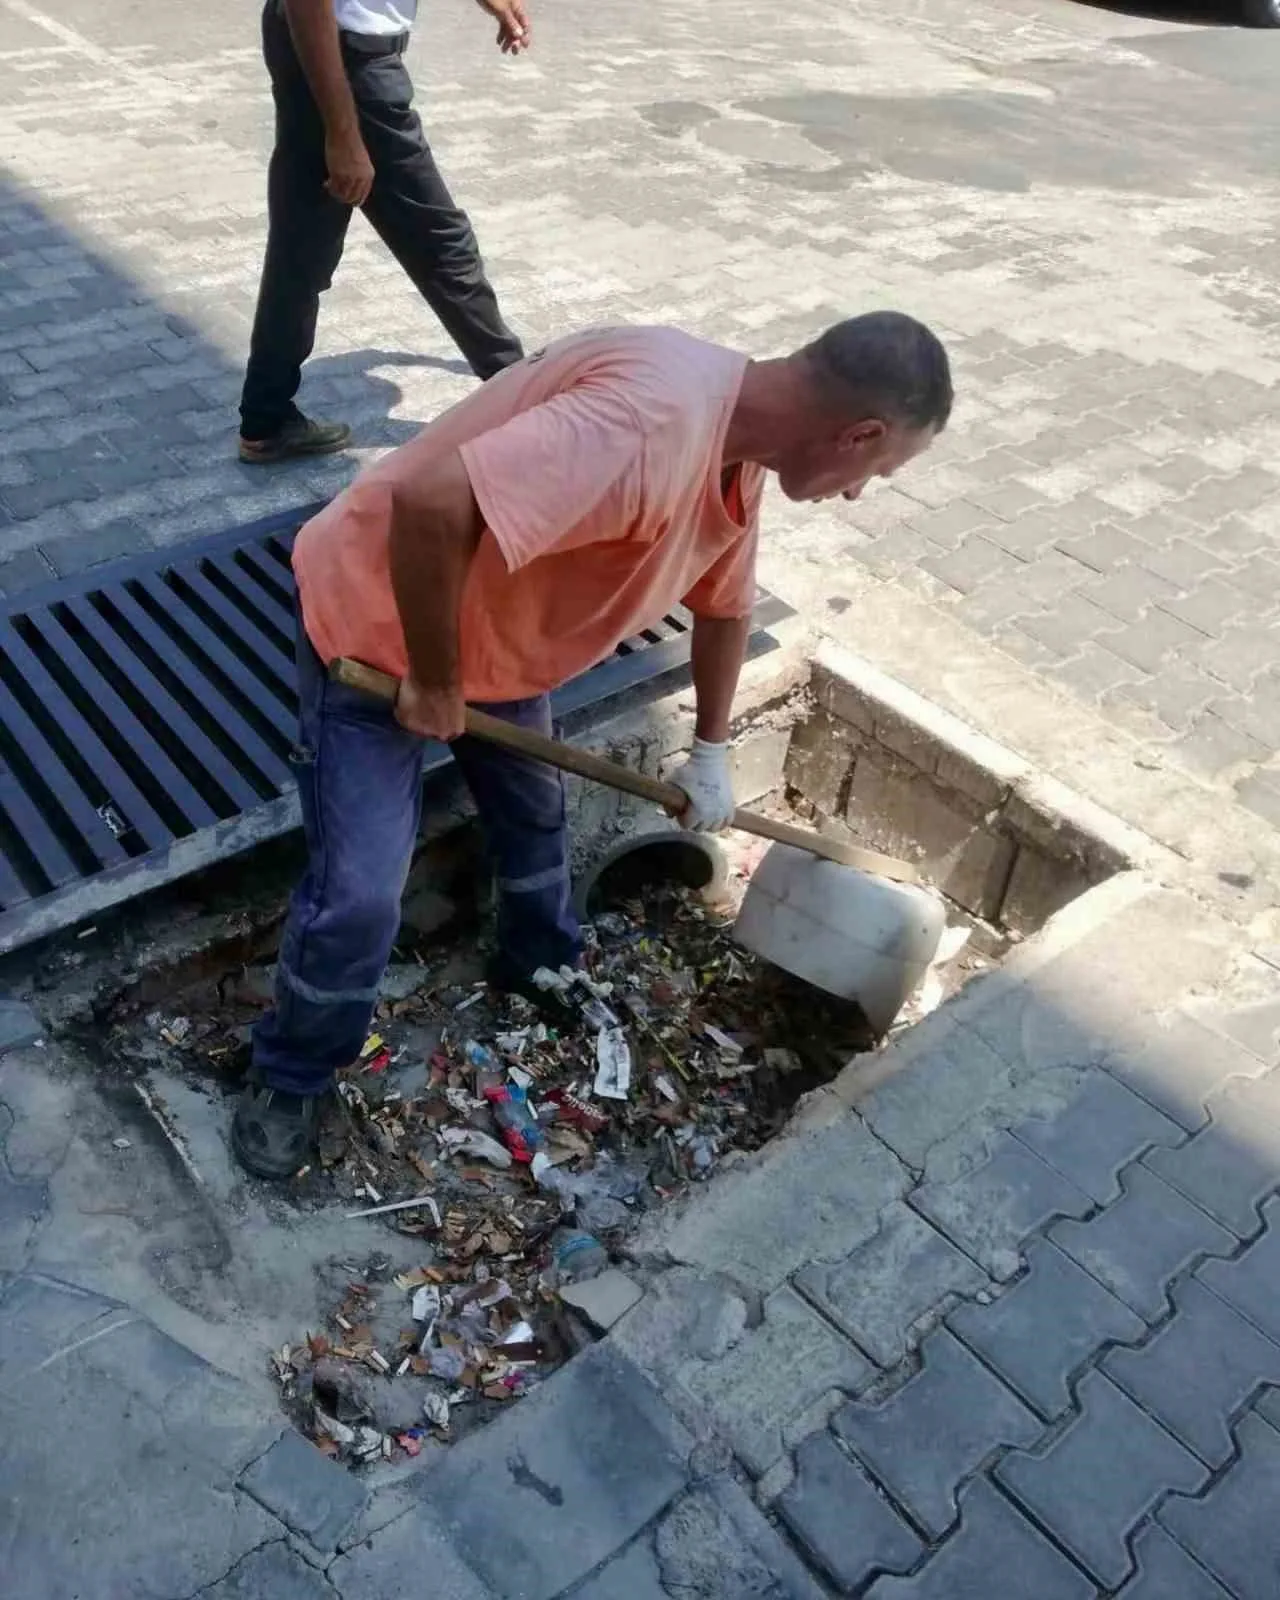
(613, 1064)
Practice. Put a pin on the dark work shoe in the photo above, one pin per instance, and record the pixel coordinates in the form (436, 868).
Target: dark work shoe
(299, 436)
(273, 1133)
(556, 1008)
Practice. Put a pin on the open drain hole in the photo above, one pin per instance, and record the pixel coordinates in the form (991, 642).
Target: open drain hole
(675, 859)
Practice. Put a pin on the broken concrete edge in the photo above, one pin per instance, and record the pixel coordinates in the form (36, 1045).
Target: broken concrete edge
(1032, 805)
(649, 1252)
(1231, 861)
(71, 982)
(1083, 916)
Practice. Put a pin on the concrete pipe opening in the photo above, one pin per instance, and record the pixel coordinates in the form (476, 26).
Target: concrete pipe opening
(672, 856)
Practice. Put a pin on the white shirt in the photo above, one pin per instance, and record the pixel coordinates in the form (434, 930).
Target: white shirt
(375, 16)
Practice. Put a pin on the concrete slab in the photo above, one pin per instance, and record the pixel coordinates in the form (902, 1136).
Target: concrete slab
(603, 1300)
(633, 1575)
(413, 1551)
(311, 1495)
(716, 1542)
(86, 1385)
(578, 1468)
(878, 1294)
(743, 1224)
(745, 1379)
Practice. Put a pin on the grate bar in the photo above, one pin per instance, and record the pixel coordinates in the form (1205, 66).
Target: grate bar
(148, 714)
(61, 801)
(256, 611)
(205, 652)
(189, 808)
(270, 761)
(115, 785)
(14, 893)
(274, 666)
(229, 789)
(263, 582)
(48, 862)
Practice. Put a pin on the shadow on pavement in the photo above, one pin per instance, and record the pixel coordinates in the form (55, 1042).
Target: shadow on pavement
(118, 404)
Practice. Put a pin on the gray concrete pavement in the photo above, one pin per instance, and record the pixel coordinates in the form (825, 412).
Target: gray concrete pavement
(1082, 200)
(1062, 1275)
(1005, 1323)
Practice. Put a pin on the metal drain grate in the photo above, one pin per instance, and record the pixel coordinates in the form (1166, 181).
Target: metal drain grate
(147, 713)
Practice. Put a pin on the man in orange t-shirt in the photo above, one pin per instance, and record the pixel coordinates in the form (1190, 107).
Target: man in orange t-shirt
(565, 505)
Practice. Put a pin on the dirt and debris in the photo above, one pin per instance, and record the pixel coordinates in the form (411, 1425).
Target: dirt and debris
(411, 1361)
(519, 1153)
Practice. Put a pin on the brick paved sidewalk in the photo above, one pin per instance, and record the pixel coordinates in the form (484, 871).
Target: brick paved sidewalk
(1079, 199)
(1010, 1319)
(1043, 1258)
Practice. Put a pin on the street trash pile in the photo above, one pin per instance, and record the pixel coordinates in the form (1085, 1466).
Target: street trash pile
(520, 1144)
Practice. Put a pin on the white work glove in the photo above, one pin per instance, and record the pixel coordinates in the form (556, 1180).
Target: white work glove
(706, 779)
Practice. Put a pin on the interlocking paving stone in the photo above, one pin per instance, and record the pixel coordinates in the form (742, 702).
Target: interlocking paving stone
(308, 1492)
(1230, 1167)
(994, 1545)
(1251, 1283)
(991, 1210)
(1198, 1370)
(1166, 1572)
(879, 1291)
(1098, 1478)
(1179, 1068)
(1103, 1129)
(1045, 1327)
(1138, 1245)
(841, 1520)
(1234, 1530)
(938, 1428)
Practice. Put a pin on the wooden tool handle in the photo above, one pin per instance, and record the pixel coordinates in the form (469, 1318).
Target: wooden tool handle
(596, 769)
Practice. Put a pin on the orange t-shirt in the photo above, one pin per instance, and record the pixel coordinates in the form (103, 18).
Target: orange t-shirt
(597, 467)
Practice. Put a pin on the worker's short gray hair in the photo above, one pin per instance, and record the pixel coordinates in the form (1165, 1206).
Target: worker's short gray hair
(885, 364)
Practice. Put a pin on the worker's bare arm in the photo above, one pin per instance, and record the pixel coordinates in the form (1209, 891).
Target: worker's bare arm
(435, 529)
(719, 646)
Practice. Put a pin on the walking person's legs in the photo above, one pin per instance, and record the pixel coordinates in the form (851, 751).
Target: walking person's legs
(360, 783)
(413, 211)
(306, 229)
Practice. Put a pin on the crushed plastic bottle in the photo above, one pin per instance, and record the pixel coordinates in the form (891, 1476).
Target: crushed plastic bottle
(577, 1255)
(481, 1057)
(516, 1121)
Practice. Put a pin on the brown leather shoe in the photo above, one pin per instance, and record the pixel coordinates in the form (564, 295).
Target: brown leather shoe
(300, 436)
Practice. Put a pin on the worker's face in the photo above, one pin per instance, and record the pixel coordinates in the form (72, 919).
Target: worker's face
(844, 463)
